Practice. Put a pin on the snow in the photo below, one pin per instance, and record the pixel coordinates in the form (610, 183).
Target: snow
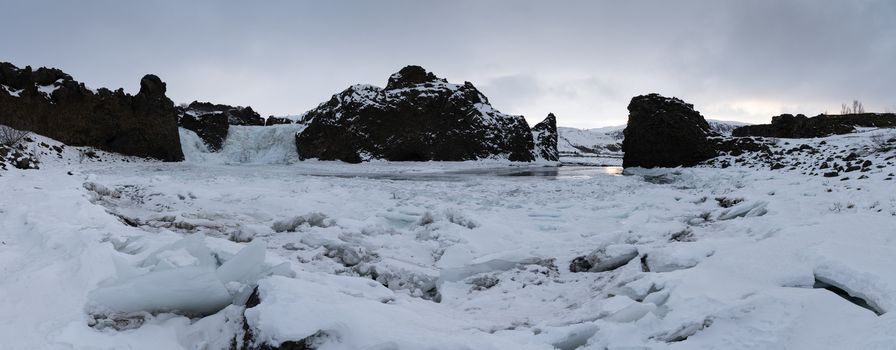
(48, 89)
(442, 255)
(11, 91)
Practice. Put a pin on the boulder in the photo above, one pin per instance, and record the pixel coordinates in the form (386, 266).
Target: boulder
(544, 135)
(665, 132)
(800, 126)
(417, 117)
(49, 102)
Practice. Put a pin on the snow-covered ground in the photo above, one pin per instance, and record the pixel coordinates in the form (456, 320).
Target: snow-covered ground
(469, 255)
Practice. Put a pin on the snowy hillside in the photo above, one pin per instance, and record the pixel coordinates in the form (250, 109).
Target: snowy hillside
(111, 252)
(724, 127)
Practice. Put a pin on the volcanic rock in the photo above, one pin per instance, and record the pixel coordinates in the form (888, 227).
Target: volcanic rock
(665, 132)
(49, 102)
(236, 115)
(272, 120)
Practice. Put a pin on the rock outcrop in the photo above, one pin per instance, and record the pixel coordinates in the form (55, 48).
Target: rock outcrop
(272, 120)
(665, 132)
(417, 117)
(800, 126)
(17, 156)
(544, 135)
(49, 102)
(236, 115)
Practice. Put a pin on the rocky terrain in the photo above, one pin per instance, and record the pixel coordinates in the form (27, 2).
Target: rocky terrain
(416, 117)
(800, 126)
(49, 102)
(835, 157)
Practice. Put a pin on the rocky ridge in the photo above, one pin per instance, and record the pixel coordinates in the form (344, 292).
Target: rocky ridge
(50, 102)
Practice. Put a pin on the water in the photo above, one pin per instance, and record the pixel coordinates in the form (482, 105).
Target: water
(542, 172)
(269, 151)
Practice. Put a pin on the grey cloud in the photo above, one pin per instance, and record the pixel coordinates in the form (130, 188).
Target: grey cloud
(584, 59)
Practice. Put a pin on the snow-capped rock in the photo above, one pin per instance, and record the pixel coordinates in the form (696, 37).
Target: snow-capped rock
(236, 115)
(272, 120)
(417, 117)
(545, 136)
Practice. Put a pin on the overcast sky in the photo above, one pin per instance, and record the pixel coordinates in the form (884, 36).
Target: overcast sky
(582, 60)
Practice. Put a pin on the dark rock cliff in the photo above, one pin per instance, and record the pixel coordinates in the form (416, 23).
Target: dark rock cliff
(665, 132)
(49, 102)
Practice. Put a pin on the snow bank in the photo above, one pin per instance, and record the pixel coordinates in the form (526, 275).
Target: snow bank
(338, 313)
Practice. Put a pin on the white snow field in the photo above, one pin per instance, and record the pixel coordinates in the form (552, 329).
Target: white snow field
(121, 253)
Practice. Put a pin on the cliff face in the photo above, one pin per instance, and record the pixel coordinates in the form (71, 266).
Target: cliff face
(417, 117)
(49, 102)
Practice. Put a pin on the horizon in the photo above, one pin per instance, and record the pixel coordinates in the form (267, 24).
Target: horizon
(583, 61)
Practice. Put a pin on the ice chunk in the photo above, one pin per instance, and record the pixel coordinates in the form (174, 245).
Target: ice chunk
(605, 259)
(291, 225)
(246, 266)
(631, 313)
(189, 290)
(183, 279)
(677, 257)
(459, 273)
(624, 309)
(746, 210)
(190, 251)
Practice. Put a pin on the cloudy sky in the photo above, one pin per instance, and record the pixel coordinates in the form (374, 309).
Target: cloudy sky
(582, 60)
